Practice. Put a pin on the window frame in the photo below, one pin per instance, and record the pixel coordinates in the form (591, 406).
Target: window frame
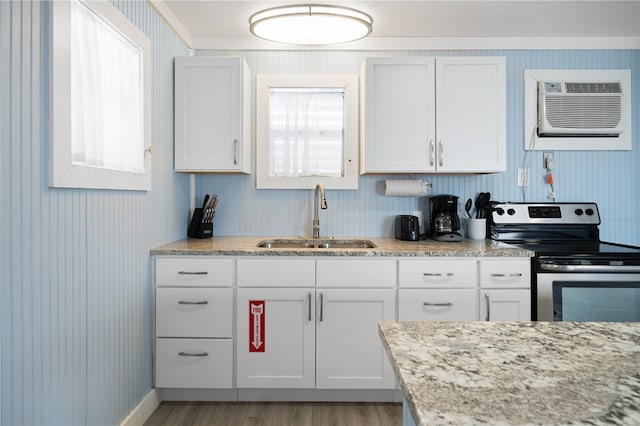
(63, 173)
(264, 83)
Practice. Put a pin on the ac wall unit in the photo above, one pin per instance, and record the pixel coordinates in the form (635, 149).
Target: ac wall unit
(580, 108)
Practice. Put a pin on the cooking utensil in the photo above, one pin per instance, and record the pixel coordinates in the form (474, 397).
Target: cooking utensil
(481, 204)
(467, 207)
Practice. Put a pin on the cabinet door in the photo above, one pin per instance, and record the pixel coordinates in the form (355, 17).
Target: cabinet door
(471, 114)
(437, 305)
(210, 128)
(505, 305)
(349, 353)
(287, 342)
(398, 108)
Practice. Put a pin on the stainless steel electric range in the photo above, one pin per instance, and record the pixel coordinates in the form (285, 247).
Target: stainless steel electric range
(576, 277)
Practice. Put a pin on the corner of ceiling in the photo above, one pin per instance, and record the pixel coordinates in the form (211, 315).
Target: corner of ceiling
(172, 20)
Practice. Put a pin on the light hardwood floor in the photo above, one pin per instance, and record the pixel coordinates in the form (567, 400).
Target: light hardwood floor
(276, 414)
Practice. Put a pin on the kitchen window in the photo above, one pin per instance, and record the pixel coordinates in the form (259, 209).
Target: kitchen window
(307, 131)
(101, 99)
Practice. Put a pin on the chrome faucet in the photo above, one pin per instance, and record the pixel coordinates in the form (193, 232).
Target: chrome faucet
(323, 205)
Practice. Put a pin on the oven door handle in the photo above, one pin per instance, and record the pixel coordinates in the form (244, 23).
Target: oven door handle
(588, 268)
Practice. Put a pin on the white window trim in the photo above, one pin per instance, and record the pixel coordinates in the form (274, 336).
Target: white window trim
(62, 172)
(264, 83)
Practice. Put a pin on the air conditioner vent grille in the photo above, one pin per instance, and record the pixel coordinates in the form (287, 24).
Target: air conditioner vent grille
(582, 112)
(587, 88)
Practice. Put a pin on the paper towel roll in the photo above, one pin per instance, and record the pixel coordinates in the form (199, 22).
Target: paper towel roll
(405, 187)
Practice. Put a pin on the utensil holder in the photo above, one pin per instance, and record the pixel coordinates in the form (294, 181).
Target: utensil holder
(197, 228)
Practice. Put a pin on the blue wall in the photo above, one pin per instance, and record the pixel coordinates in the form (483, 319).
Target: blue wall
(75, 272)
(607, 177)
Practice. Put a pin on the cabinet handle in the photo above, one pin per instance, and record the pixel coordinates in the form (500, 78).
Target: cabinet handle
(432, 152)
(437, 304)
(192, 273)
(193, 353)
(186, 302)
(488, 302)
(440, 153)
(235, 152)
(309, 305)
(507, 275)
(321, 307)
(438, 274)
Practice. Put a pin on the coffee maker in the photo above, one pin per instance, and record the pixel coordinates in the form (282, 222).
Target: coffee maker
(444, 220)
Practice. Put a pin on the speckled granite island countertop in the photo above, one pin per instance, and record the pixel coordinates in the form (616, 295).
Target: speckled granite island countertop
(517, 373)
(248, 246)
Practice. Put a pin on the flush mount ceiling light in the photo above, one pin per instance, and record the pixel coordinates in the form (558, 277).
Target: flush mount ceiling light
(310, 24)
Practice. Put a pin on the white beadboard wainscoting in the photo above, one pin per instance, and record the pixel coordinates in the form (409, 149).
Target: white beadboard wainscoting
(75, 271)
(609, 178)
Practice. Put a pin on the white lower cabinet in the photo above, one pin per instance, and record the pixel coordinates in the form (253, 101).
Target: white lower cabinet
(312, 323)
(437, 290)
(194, 363)
(505, 289)
(437, 305)
(194, 323)
(471, 289)
(349, 353)
(505, 305)
(324, 338)
(279, 349)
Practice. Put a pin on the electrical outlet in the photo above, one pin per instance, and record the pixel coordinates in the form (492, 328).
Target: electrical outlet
(548, 160)
(523, 177)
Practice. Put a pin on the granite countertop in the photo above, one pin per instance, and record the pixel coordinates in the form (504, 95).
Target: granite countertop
(247, 246)
(517, 373)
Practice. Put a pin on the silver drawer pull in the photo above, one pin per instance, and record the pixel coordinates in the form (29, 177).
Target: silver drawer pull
(439, 274)
(437, 304)
(186, 302)
(192, 273)
(516, 275)
(193, 353)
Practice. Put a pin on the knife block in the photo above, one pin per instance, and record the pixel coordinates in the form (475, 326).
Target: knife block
(198, 229)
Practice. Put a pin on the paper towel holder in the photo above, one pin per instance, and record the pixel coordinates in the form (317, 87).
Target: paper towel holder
(406, 187)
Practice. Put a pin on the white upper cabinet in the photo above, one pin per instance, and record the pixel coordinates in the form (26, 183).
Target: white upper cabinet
(212, 114)
(433, 115)
(398, 108)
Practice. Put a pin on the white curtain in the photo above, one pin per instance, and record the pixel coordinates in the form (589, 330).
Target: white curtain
(106, 95)
(306, 132)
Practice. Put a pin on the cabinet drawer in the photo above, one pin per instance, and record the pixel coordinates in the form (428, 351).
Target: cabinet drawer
(194, 312)
(505, 273)
(194, 363)
(356, 273)
(437, 273)
(189, 272)
(276, 272)
(437, 305)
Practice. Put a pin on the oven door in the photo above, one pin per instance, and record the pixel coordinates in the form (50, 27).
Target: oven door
(588, 296)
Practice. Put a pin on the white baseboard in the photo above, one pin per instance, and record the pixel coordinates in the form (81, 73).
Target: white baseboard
(143, 410)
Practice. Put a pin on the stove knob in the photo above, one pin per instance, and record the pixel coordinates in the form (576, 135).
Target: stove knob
(589, 212)
(579, 212)
(500, 211)
(511, 212)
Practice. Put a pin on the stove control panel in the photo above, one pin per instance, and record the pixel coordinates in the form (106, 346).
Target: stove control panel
(547, 213)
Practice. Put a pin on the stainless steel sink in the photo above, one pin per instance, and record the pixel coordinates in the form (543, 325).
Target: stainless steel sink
(322, 243)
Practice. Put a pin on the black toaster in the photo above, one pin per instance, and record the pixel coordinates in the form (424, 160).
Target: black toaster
(407, 227)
